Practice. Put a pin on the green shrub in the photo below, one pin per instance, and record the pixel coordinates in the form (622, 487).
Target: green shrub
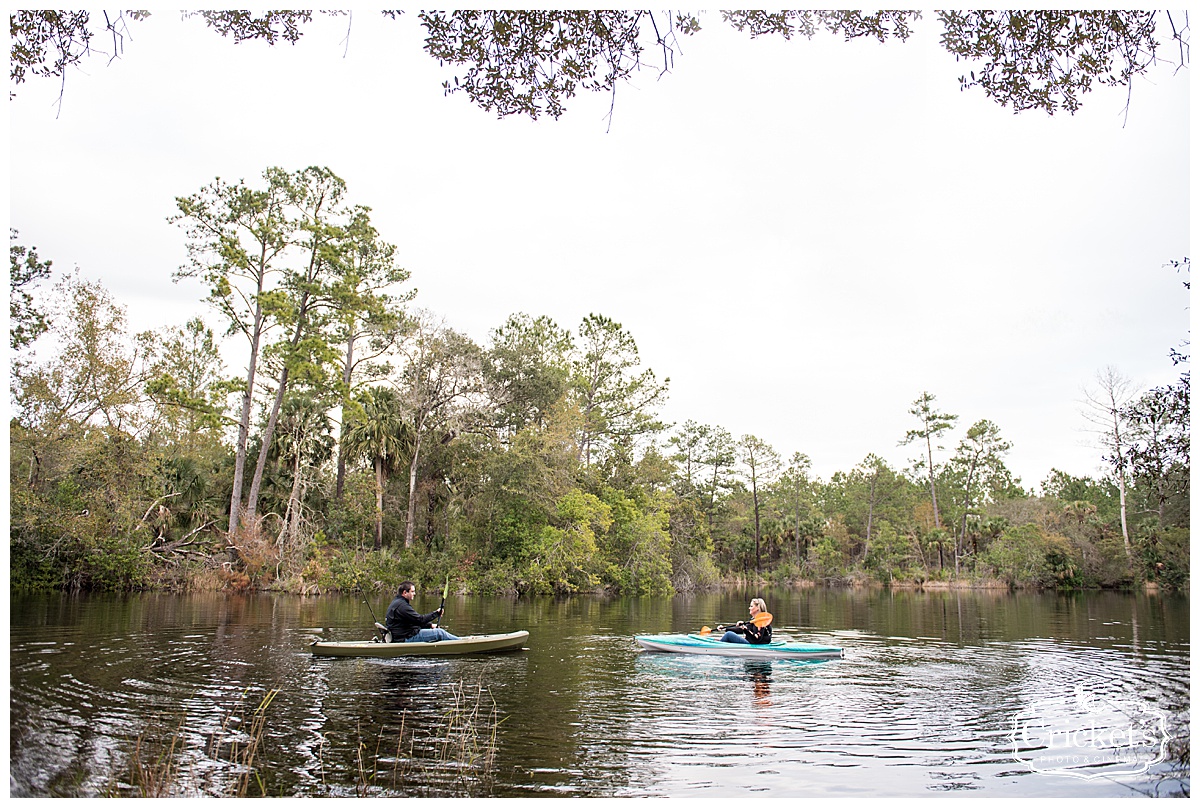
(499, 578)
(367, 571)
(363, 571)
(784, 574)
(1019, 556)
(350, 522)
(32, 569)
(115, 564)
(826, 559)
(889, 553)
(1064, 569)
(1163, 555)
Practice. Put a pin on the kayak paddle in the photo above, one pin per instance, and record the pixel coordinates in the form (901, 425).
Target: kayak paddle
(761, 619)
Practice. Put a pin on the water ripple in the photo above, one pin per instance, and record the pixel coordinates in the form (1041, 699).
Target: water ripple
(583, 713)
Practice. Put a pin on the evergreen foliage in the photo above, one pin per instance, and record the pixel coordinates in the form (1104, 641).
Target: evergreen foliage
(537, 464)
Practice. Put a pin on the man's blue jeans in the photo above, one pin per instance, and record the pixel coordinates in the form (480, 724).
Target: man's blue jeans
(431, 635)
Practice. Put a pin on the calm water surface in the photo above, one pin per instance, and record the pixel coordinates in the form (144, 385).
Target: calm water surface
(937, 695)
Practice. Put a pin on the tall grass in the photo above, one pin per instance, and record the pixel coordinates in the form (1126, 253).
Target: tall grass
(155, 767)
(465, 743)
(469, 738)
(153, 772)
(241, 747)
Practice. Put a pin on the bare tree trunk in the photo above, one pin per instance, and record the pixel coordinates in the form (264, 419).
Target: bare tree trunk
(870, 515)
(291, 517)
(798, 561)
(937, 520)
(341, 458)
(268, 435)
(757, 530)
(1124, 517)
(921, 552)
(379, 480)
(1107, 418)
(430, 520)
(298, 513)
(239, 464)
(960, 541)
(1113, 387)
(712, 497)
(412, 491)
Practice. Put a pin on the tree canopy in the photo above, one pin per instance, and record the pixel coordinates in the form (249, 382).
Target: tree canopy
(533, 62)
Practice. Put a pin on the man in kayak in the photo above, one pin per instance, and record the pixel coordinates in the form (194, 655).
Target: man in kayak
(407, 625)
(756, 632)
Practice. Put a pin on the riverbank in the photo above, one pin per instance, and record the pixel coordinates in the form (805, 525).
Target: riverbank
(379, 573)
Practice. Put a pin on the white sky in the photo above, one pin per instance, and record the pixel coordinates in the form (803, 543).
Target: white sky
(802, 235)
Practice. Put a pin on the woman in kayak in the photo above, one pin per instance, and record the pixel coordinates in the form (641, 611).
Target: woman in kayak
(751, 633)
(407, 625)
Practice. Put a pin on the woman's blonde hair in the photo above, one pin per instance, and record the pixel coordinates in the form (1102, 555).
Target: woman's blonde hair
(760, 603)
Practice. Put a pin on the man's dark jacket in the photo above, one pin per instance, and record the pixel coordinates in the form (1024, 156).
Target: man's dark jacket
(404, 621)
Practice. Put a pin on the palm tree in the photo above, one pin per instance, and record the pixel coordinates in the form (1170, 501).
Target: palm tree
(196, 506)
(1079, 511)
(376, 430)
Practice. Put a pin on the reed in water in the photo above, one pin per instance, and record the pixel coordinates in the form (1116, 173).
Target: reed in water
(465, 744)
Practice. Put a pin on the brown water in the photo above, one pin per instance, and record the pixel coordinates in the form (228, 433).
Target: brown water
(963, 693)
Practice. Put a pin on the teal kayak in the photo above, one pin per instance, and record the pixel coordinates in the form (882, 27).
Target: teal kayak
(711, 645)
(478, 644)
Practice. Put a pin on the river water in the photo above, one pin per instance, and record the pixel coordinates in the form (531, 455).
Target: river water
(969, 693)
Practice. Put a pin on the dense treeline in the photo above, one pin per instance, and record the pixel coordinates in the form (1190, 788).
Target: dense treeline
(365, 440)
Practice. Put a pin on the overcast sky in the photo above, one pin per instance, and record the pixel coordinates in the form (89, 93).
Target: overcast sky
(802, 235)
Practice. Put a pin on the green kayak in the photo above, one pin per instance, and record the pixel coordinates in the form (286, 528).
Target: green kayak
(479, 644)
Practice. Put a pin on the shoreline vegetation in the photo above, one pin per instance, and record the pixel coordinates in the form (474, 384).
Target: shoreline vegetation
(371, 572)
(367, 442)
